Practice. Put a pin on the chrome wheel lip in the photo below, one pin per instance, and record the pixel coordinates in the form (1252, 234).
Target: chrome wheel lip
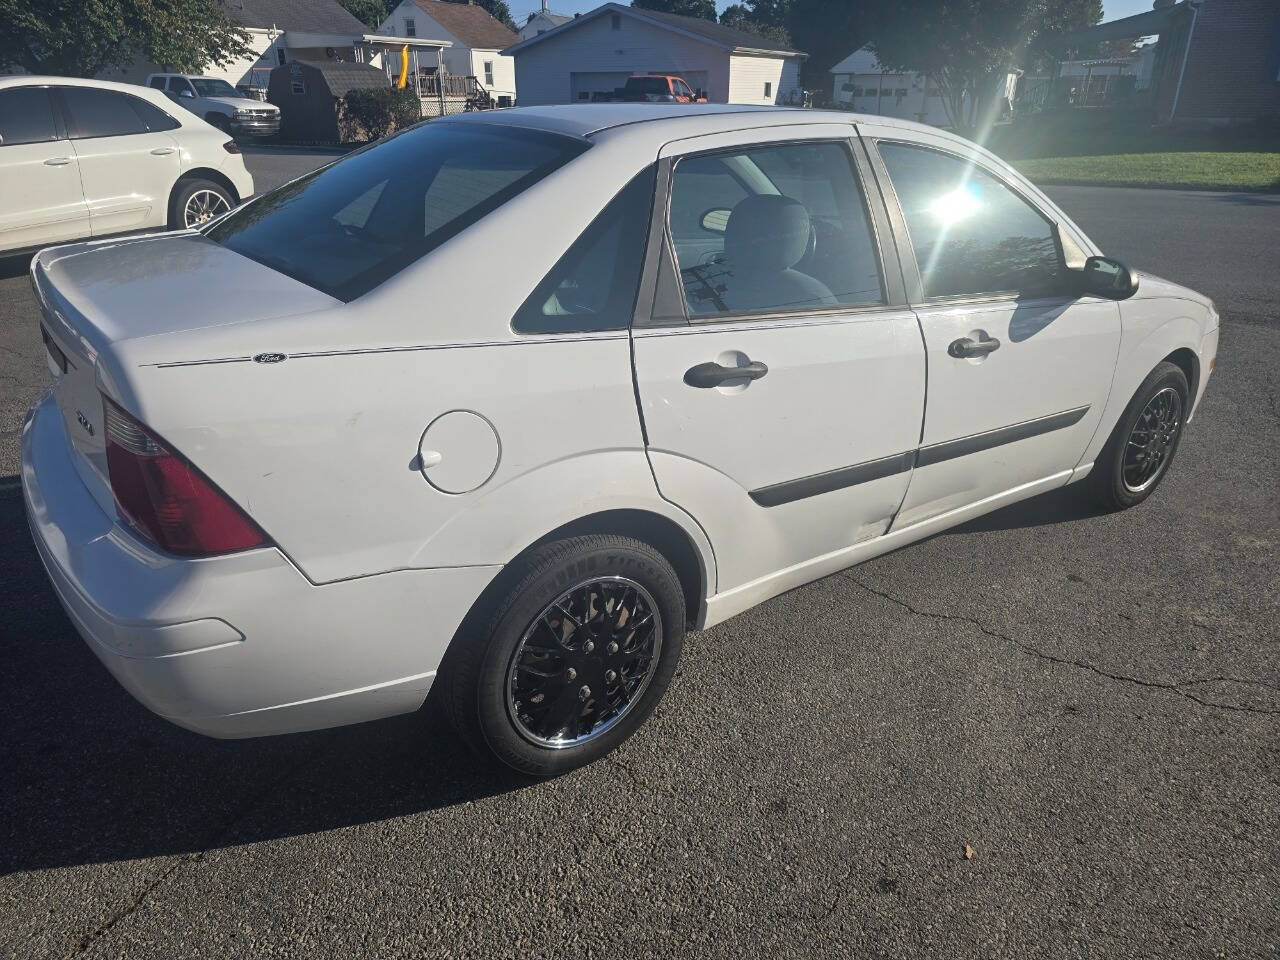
(202, 206)
(635, 697)
(1152, 439)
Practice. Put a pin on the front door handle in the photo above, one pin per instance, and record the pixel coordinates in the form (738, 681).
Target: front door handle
(162, 151)
(967, 347)
(57, 161)
(713, 374)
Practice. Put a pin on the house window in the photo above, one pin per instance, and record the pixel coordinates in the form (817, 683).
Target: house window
(281, 57)
(488, 73)
(615, 21)
(768, 89)
(410, 28)
(298, 88)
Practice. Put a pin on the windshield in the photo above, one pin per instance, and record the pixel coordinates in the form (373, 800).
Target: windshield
(349, 226)
(648, 85)
(213, 88)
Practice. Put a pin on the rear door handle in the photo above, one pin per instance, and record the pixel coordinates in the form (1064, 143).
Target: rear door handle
(966, 347)
(57, 161)
(713, 374)
(162, 151)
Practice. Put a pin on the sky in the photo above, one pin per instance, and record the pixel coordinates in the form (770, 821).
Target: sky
(520, 9)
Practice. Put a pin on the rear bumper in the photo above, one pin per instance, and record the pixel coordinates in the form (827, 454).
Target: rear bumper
(241, 645)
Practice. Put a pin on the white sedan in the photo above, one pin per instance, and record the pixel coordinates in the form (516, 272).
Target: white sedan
(89, 158)
(504, 404)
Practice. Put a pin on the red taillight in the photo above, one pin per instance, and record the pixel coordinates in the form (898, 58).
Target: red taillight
(231, 146)
(167, 500)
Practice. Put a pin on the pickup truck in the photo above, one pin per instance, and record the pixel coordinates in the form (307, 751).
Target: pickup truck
(656, 88)
(219, 103)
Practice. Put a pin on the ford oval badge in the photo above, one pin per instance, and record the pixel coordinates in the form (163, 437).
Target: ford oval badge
(270, 358)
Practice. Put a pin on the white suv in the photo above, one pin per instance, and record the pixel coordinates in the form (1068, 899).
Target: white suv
(87, 158)
(219, 103)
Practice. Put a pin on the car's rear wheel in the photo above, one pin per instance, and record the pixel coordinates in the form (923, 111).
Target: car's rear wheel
(196, 202)
(1141, 449)
(573, 657)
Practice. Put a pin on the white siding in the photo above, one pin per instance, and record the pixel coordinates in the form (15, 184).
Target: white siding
(504, 72)
(543, 70)
(748, 75)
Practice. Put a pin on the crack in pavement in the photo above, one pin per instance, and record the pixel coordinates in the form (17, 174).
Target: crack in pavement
(1175, 687)
(134, 904)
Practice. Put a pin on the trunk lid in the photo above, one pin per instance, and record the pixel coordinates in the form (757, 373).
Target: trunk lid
(93, 296)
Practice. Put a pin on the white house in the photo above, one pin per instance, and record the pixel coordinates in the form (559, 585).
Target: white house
(595, 52)
(860, 83)
(540, 21)
(476, 41)
(279, 31)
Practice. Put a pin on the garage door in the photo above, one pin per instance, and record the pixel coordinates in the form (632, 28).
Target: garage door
(583, 85)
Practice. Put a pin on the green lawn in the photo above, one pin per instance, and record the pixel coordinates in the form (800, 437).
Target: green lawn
(1201, 170)
(1116, 148)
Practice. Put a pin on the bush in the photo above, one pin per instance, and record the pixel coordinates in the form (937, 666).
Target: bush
(372, 114)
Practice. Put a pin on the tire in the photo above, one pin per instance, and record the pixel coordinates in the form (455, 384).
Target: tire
(196, 188)
(485, 691)
(1118, 484)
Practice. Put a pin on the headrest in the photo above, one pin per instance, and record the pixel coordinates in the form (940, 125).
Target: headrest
(767, 232)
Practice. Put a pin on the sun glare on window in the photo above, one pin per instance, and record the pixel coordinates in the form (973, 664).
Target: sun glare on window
(959, 204)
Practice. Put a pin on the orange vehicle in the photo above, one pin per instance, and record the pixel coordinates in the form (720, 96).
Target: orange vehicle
(658, 88)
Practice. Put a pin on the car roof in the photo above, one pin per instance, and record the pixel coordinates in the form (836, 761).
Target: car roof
(666, 121)
(29, 80)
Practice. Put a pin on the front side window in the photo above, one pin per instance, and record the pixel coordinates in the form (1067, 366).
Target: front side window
(26, 116)
(593, 286)
(772, 229)
(349, 226)
(971, 234)
(100, 113)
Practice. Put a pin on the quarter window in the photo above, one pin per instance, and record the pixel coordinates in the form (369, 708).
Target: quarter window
(26, 116)
(593, 286)
(971, 234)
(772, 229)
(154, 118)
(100, 113)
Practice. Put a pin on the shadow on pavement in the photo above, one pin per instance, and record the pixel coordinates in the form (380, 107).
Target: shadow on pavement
(1064, 505)
(90, 776)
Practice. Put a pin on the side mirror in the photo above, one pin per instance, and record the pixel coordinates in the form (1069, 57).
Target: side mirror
(716, 220)
(1104, 277)
(186, 94)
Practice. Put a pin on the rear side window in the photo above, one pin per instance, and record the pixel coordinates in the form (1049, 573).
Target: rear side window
(349, 226)
(971, 234)
(152, 116)
(26, 116)
(100, 113)
(593, 286)
(157, 83)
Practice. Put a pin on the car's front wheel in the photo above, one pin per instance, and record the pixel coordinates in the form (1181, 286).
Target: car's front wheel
(1145, 440)
(573, 657)
(196, 202)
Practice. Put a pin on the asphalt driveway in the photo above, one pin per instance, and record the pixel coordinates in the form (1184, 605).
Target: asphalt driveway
(1047, 733)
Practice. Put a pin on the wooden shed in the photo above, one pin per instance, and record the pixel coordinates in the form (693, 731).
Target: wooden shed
(308, 95)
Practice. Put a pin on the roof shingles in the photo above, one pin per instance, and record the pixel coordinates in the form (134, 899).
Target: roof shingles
(305, 16)
(470, 23)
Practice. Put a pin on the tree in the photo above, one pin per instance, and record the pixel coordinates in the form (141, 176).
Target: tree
(81, 38)
(744, 17)
(499, 10)
(705, 9)
(963, 46)
(828, 31)
(369, 12)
